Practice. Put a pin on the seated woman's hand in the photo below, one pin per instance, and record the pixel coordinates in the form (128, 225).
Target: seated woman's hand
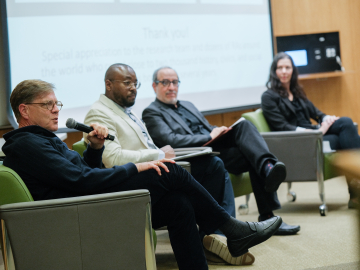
(327, 122)
(325, 126)
(331, 119)
(144, 166)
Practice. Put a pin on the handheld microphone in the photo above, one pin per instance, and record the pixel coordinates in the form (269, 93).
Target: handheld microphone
(71, 123)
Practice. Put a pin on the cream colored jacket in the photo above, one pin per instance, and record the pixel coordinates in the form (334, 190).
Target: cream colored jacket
(129, 144)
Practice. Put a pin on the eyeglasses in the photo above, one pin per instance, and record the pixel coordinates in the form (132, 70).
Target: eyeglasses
(128, 84)
(49, 105)
(167, 82)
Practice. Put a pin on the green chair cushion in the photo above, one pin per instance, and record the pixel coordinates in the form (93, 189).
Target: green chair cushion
(12, 188)
(79, 147)
(329, 169)
(241, 184)
(154, 238)
(258, 119)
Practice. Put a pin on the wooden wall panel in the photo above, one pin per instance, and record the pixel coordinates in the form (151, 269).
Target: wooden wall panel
(232, 117)
(3, 131)
(72, 138)
(226, 119)
(215, 119)
(340, 95)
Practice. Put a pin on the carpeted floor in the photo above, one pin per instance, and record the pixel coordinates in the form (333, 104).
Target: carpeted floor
(329, 242)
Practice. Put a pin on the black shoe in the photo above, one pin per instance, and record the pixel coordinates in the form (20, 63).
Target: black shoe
(286, 229)
(262, 231)
(276, 176)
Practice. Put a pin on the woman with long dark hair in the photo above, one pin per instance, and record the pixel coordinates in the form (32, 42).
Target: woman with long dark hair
(286, 107)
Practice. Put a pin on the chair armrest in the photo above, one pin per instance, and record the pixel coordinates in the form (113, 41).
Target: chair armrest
(79, 147)
(66, 202)
(300, 151)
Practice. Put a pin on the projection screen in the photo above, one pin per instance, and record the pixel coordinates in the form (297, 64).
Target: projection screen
(221, 49)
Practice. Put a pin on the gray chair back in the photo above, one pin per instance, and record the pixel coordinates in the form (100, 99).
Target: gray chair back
(105, 231)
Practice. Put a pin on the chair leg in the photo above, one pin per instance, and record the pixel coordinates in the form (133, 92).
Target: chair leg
(323, 207)
(149, 241)
(291, 195)
(320, 178)
(244, 208)
(247, 199)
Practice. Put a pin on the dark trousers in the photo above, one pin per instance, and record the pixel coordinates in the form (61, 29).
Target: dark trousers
(180, 202)
(210, 172)
(342, 134)
(244, 149)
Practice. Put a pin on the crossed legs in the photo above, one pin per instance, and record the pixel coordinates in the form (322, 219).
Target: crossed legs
(343, 135)
(244, 149)
(180, 202)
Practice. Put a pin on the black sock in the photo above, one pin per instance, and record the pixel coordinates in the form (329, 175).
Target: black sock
(268, 165)
(263, 217)
(234, 228)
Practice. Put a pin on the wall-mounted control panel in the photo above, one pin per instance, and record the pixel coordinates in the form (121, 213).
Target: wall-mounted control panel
(312, 53)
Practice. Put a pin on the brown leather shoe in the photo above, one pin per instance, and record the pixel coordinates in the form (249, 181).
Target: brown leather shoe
(219, 252)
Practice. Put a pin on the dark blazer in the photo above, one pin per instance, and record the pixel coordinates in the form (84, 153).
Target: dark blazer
(280, 113)
(166, 127)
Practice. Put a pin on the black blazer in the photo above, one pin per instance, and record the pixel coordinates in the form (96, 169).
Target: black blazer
(166, 127)
(280, 113)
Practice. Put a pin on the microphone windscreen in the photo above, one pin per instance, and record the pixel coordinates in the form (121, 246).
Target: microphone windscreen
(70, 123)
